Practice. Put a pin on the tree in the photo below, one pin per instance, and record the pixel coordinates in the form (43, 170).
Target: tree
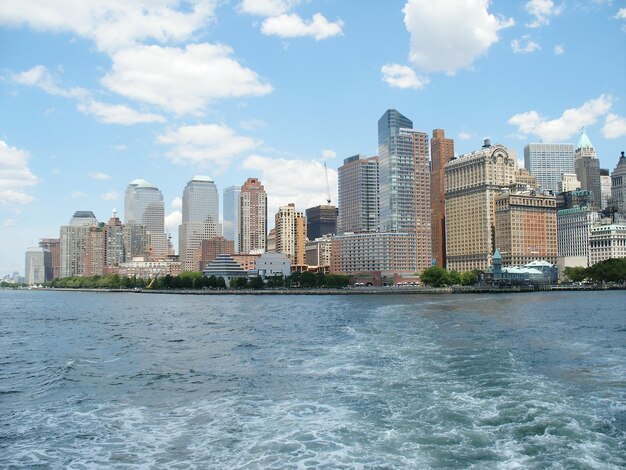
(434, 276)
(220, 283)
(469, 278)
(575, 274)
(307, 279)
(256, 283)
(239, 283)
(454, 278)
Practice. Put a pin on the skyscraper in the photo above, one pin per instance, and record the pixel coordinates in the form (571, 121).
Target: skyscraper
(38, 263)
(143, 205)
(588, 168)
(548, 162)
(252, 217)
(290, 230)
(321, 220)
(405, 182)
(358, 195)
(200, 218)
(618, 185)
(73, 241)
(441, 152)
(230, 214)
(54, 246)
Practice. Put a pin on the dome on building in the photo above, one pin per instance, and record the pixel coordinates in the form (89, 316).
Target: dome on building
(201, 178)
(584, 141)
(146, 184)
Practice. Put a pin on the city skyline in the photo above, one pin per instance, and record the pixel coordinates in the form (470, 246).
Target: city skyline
(81, 118)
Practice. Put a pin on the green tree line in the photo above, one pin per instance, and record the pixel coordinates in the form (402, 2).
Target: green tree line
(436, 276)
(610, 270)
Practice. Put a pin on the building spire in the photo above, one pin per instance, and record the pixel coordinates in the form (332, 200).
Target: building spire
(584, 141)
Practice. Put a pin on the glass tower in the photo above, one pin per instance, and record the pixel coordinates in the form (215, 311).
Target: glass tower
(230, 214)
(143, 205)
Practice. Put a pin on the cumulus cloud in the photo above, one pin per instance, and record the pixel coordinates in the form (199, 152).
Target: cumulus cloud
(177, 203)
(329, 154)
(614, 126)
(205, 144)
(562, 128)
(463, 135)
(110, 196)
(266, 7)
(181, 80)
(524, 45)
(97, 175)
(291, 25)
(173, 220)
(302, 182)
(542, 10)
(451, 35)
(41, 77)
(621, 14)
(559, 49)
(15, 176)
(117, 113)
(114, 24)
(401, 76)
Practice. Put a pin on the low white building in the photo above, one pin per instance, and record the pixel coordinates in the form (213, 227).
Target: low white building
(573, 229)
(607, 241)
(273, 264)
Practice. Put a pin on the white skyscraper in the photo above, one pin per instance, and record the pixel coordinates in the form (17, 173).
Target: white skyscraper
(548, 162)
(230, 214)
(200, 218)
(143, 205)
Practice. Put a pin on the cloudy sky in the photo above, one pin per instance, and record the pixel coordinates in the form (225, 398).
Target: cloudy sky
(97, 93)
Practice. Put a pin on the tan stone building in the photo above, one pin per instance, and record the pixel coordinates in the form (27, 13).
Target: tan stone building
(526, 228)
(441, 152)
(252, 217)
(472, 182)
(290, 230)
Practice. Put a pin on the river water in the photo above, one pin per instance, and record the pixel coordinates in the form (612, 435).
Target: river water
(102, 380)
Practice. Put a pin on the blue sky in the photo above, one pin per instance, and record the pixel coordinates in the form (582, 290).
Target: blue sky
(97, 93)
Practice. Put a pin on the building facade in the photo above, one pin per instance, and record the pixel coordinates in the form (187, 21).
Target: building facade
(569, 182)
(38, 265)
(273, 264)
(358, 209)
(209, 249)
(252, 217)
(73, 243)
(618, 185)
(143, 205)
(53, 245)
(607, 241)
(573, 229)
(321, 220)
(588, 169)
(318, 252)
(526, 228)
(473, 181)
(441, 152)
(230, 214)
(290, 233)
(548, 162)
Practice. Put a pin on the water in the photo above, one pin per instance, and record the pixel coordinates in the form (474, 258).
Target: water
(101, 380)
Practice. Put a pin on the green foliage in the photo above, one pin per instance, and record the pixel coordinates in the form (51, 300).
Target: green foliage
(256, 283)
(610, 270)
(276, 281)
(436, 276)
(575, 274)
(239, 283)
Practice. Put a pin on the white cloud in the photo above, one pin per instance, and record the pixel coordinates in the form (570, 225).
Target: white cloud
(15, 176)
(292, 26)
(97, 175)
(205, 144)
(181, 80)
(302, 182)
(570, 122)
(463, 135)
(266, 7)
(328, 154)
(524, 45)
(621, 14)
(117, 113)
(401, 76)
(173, 220)
(559, 49)
(450, 35)
(110, 196)
(614, 126)
(177, 203)
(113, 24)
(542, 10)
(252, 124)
(40, 77)
(9, 223)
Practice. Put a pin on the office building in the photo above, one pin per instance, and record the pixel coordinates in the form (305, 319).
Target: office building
(472, 182)
(573, 229)
(252, 217)
(569, 182)
(618, 185)
(588, 169)
(526, 227)
(115, 248)
(95, 254)
(358, 195)
(53, 245)
(572, 199)
(320, 221)
(230, 214)
(143, 205)
(607, 241)
(548, 162)
(38, 263)
(404, 174)
(209, 249)
(135, 241)
(441, 152)
(290, 233)
(73, 243)
(605, 188)
(318, 251)
(200, 220)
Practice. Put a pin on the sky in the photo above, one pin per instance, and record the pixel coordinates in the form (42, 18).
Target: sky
(94, 94)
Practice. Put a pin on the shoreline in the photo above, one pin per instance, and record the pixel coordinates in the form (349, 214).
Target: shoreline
(349, 291)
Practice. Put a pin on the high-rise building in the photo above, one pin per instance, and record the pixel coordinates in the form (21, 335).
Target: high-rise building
(115, 250)
(73, 243)
(548, 162)
(588, 169)
(572, 199)
(317, 252)
(618, 185)
(38, 265)
(441, 152)
(573, 229)
(54, 246)
(569, 182)
(404, 173)
(605, 188)
(230, 214)
(143, 205)
(135, 241)
(95, 254)
(200, 218)
(252, 217)
(472, 182)
(290, 230)
(358, 195)
(321, 220)
(209, 249)
(526, 227)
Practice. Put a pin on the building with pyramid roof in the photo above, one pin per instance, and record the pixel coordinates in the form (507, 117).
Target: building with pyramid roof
(587, 168)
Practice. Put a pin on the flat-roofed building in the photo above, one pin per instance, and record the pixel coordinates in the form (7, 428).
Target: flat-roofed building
(607, 241)
(358, 195)
(441, 152)
(318, 251)
(573, 229)
(548, 161)
(54, 246)
(290, 232)
(38, 264)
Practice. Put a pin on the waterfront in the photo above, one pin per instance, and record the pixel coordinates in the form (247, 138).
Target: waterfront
(432, 381)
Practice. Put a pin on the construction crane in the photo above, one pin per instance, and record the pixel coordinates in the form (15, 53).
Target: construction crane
(327, 185)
